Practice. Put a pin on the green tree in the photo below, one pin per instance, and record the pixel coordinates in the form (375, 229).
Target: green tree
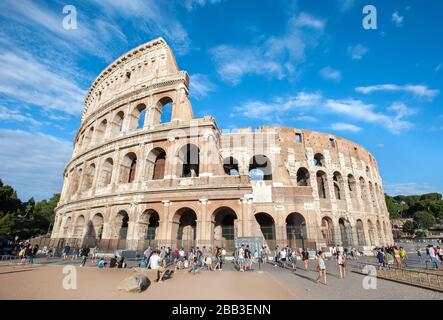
(424, 220)
(408, 227)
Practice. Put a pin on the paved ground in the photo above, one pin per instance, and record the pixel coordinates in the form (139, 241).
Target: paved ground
(45, 282)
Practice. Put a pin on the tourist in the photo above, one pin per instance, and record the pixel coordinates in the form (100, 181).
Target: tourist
(241, 258)
(223, 257)
(75, 253)
(397, 257)
(341, 262)
(101, 263)
(156, 264)
(22, 255)
(29, 254)
(419, 255)
(283, 258)
(321, 267)
(93, 253)
(294, 256)
(147, 253)
(194, 265)
(113, 262)
(389, 259)
(433, 256)
(381, 259)
(248, 258)
(66, 251)
(208, 260)
(84, 255)
(440, 253)
(403, 256)
(121, 263)
(218, 259)
(305, 258)
(276, 256)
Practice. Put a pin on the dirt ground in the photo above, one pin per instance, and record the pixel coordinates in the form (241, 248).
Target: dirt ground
(46, 282)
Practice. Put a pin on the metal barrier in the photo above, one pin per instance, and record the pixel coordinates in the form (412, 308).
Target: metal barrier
(422, 278)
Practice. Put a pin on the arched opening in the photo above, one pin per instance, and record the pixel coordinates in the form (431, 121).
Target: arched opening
(327, 231)
(345, 232)
(267, 228)
(101, 131)
(371, 230)
(352, 185)
(230, 166)
(319, 160)
(128, 168)
(75, 184)
(385, 233)
(260, 168)
(156, 164)
(322, 185)
(148, 225)
(185, 227)
(165, 107)
(97, 223)
(66, 227)
(117, 124)
(295, 230)
(190, 157)
(379, 233)
(88, 137)
(223, 221)
(79, 226)
(121, 225)
(303, 177)
(338, 186)
(138, 117)
(372, 194)
(364, 192)
(89, 177)
(360, 233)
(106, 173)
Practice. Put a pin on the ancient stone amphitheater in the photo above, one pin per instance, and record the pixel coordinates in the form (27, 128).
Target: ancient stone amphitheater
(145, 171)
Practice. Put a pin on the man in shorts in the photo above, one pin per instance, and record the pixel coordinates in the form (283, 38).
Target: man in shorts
(241, 258)
(155, 263)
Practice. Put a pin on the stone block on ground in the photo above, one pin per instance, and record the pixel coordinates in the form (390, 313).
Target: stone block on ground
(136, 282)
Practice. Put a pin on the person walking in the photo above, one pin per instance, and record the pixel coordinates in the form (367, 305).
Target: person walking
(294, 260)
(381, 259)
(283, 258)
(321, 267)
(305, 258)
(433, 256)
(341, 263)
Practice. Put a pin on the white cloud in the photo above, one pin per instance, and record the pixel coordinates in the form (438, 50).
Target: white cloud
(275, 56)
(417, 90)
(33, 162)
(345, 127)
(357, 51)
(27, 80)
(397, 19)
(328, 73)
(14, 115)
(305, 118)
(345, 5)
(193, 4)
(438, 67)
(408, 188)
(201, 86)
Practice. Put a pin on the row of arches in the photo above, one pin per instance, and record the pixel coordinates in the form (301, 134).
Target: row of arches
(368, 192)
(136, 119)
(319, 161)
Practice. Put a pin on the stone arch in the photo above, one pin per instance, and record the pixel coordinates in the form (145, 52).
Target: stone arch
(295, 229)
(303, 177)
(224, 227)
(319, 160)
(322, 185)
(184, 227)
(189, 155)
(148, 225)
(260, 168)
(75, 183)
(120, 225)
(379, 232)
(165, 105)
(66, 227)
(385, 233)
(345, 232)
(156, 164)
(267, 227)
(327, 231)
(128, 168)
(79, 227)
(372, 195)
(100, 132)
(230, 166)
(117, 123)
(138, 116)
(338, 186)
(97, 223)
(106, 172)
(352, 186)
(371, 231)
(360, 233)
(88, 179)
(88, 138)
(363, 189)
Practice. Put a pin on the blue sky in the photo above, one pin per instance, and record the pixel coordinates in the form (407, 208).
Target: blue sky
(304, 64)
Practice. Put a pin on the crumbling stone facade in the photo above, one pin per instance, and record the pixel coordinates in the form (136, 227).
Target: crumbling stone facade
(136, 180)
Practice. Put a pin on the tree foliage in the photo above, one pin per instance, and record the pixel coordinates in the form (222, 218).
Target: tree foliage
(24, 219)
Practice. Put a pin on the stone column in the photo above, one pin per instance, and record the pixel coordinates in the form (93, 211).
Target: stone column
(203, 232)
(165, 229)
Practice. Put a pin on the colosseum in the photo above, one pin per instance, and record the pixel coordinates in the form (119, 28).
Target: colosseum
(144, 172)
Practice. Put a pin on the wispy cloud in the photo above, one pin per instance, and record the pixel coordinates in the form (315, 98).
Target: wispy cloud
(328, 73)
(409, 188)
(397, 19)
(275, 56)
(438, 67)
(416, 90)
(193, 4)
(345, 5)
(356, 52)
(201, 86)
(27, 80)
(15, 115)
(33, 162)
(345, 127)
